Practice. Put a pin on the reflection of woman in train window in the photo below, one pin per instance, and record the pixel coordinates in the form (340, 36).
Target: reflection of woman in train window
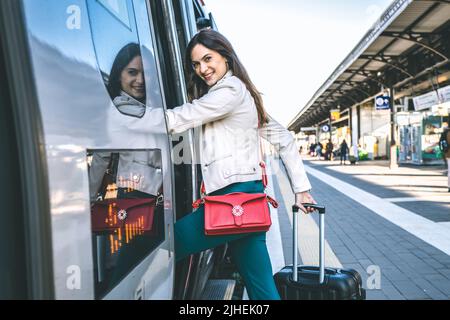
(126, 84)
(126, 87)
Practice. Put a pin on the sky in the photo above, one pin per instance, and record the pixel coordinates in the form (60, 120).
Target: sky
(291, 47)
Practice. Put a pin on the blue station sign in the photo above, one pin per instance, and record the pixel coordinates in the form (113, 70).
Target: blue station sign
(382, 102)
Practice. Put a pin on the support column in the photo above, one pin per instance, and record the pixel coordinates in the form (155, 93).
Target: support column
(358, 113)
(329, 122)
(393, 154)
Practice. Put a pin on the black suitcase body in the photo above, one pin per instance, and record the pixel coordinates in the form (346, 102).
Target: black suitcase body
(332, 284)
(339, 284)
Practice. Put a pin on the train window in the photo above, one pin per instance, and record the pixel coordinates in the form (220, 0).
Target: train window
(127, 213)
(123, 54)
(118, 53)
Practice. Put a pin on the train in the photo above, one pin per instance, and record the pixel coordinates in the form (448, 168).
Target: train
(89, 203)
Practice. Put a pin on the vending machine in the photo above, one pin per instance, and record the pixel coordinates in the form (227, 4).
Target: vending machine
(419, 138)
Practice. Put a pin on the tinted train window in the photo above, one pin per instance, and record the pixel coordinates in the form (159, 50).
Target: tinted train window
(123, 54)
(118, 53)
(127, 213)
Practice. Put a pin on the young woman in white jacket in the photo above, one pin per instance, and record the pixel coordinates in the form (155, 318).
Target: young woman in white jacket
(225, 103)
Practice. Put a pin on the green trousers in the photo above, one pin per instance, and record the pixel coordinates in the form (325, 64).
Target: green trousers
(248, 251)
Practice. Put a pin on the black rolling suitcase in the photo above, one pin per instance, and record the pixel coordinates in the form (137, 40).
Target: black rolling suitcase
(317, 283)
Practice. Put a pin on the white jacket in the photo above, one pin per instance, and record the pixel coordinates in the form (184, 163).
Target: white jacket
(230, 136)
(137, 169)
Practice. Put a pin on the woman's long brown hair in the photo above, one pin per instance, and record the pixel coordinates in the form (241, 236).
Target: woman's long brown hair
(213, 40)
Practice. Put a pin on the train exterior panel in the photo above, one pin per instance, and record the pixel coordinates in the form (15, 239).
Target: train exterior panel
(94, 179)
(73, 45)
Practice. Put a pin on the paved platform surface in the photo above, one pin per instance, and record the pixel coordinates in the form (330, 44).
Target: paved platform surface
(390, 225)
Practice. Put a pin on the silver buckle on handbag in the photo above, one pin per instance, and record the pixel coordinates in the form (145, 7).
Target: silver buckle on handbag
(122, 214)
(160, 199)
(237, 211)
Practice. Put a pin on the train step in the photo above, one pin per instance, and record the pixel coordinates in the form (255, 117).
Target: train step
(218, 289)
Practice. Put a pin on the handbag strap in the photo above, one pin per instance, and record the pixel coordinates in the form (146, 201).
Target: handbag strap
(262, 164)
(110, 175)
(264, 178)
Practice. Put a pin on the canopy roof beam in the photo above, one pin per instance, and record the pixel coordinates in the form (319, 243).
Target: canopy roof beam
(412, 37)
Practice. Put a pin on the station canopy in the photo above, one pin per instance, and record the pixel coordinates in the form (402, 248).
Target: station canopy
(406, 50)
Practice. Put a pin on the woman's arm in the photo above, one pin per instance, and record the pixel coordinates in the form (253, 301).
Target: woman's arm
(221, 100)
(279, 136)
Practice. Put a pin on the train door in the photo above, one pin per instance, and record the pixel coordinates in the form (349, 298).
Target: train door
(172, 39)
(110, 178)
(175, 24)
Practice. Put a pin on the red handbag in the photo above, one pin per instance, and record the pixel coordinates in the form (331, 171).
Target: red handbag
(237, 212)
(135, 215)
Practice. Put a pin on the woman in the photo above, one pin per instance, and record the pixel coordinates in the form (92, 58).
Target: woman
(226, 103)
(126, 84)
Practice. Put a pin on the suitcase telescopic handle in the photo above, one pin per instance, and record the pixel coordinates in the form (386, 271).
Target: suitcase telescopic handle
(321, 210)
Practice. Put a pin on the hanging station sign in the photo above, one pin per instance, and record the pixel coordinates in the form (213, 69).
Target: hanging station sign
(335, 114)
(326, 128)
(382, 102)
(444, 94)
(438, 101)
(426, 101)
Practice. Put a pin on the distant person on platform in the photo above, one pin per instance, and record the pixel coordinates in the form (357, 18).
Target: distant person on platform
(318, 150)
(343, 151)
(444, 145)
(329, 150)
(312, 149)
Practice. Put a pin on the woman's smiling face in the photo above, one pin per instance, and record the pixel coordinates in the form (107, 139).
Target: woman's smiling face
(132, 78)
(208, 64)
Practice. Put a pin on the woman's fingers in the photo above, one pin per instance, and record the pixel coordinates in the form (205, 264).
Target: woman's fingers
(302, 208)
(308, 209)
(305, 198)
(305, 210)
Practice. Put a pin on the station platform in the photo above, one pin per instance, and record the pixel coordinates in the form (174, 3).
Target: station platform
(392, 226)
